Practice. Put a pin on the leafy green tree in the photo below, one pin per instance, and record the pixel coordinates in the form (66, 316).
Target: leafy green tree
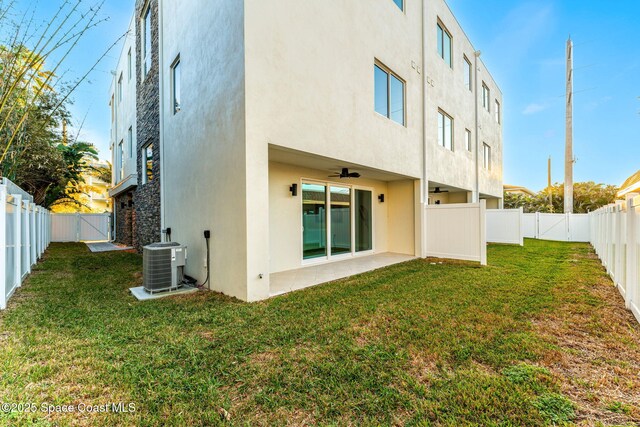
(587, 197)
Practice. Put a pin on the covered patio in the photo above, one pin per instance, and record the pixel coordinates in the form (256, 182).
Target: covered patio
(300, 278)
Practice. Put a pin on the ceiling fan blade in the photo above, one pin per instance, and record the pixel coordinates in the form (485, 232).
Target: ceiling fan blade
(354, 175)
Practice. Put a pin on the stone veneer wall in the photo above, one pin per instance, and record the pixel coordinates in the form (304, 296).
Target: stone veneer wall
(125, 218)
(147, 196)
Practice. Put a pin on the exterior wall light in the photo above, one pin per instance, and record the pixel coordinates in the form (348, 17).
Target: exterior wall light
(294, 190)
(381, 198)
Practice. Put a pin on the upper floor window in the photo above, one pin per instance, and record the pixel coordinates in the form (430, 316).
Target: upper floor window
(486, 96)
(130, 141)
(400, 4)
(120, 88)
(129, 65)
(497, 110)
(486, 156)
(120, 161)
(147, 163)
(146, 42)
(467, 73)
(444, 45)
(467, 139)
(445, 130)
(389, 94)
(175, 86)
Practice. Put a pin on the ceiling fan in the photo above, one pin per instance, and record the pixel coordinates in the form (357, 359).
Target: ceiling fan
(438, 191)
(345, 174)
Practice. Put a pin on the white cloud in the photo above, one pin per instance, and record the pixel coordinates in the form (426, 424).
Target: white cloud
(533, 108)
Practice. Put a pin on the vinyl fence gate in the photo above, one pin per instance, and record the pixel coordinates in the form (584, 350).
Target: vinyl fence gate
(80, 227)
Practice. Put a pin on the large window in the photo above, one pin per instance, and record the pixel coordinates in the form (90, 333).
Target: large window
(146, 42)
(444, 45)
(467, 73)
(399, 3)
(389, 94)
(467, 139)
(120, 160)
(486, 156)
(175, 86)
(497, 110)
(147, 160)
(486, 97)
(130, 141)
(445, 130)
(129, 66)
(120, 88)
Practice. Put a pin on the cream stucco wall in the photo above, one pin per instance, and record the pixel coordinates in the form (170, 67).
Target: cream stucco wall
(446, 90)
(124, 109)
(203, 146)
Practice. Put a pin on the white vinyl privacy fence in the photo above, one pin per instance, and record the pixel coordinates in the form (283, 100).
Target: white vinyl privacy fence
(76, 227)
(556, 226)
(457, 231)
(505, 226)
(615, 236)
(24, 236)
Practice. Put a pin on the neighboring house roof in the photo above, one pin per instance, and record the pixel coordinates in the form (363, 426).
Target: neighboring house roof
(517, 190)
(631, 185)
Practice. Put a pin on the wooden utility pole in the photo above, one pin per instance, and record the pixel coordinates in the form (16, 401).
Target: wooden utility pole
(549, 181)
(568, 149)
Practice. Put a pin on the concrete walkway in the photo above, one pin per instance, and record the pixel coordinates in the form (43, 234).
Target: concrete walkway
(293, 280)
(106, 247)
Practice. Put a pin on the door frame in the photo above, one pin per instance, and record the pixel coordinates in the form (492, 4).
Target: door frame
(352, 254)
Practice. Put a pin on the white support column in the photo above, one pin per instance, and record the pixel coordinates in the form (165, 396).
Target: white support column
(3, 247)
(17, 238)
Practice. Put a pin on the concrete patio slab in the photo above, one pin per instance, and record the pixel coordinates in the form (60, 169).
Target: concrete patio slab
(143, 295)
(293, 280)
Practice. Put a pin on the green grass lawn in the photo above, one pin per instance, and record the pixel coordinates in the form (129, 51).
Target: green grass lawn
(540, 336)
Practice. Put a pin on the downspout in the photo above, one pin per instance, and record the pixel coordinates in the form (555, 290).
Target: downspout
(161, 116)
(425, 182)
(476, 198)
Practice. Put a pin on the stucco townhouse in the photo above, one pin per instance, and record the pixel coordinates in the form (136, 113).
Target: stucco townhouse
(297, 133)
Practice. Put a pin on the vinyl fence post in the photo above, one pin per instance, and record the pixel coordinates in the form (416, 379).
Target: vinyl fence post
(537, 231)
(483, 232)
(78, 225)
(27, 235)
(521, 225)
(17, 247)
(3, 247)
(632, 267)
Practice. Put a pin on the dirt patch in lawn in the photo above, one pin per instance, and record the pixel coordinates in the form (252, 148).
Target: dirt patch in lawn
(598, 350)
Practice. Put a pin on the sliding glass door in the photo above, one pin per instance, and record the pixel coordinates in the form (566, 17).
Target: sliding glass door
(345, 227)
(314, 221)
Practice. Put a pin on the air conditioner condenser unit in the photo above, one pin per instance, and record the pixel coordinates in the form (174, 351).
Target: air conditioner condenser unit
(162, 266)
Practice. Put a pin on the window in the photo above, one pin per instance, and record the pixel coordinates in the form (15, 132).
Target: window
(120, 88)
(389, 94)
(467, 73)
(129, 65)
(113, 109)
(467, 139)
(147, 158)
(486, 156)
(400, 4)
(175, 85)
(120, 162)
(146, 42)
(497, 109)
(445, 130)
(130, 141)
(486, 95)
(444, 45)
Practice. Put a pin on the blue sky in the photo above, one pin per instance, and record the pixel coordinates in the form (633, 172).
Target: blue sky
(523, 45)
